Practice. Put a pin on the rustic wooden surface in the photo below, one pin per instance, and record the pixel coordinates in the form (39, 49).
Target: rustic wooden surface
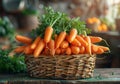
(101, 76)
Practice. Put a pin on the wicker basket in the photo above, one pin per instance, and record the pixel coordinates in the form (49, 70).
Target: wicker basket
(61, 66)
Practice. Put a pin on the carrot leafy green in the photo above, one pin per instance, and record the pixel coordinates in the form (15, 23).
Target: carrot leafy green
(60, 22)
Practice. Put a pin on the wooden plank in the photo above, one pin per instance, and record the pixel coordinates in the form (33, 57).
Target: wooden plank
(101, 76)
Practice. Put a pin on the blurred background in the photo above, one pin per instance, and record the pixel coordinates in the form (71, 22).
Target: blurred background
(101, 16)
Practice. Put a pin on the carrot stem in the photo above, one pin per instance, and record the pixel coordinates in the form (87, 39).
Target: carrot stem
(55, 20)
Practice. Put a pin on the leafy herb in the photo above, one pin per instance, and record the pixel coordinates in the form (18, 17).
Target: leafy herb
(11, 64)
(60, 22)
(6, 28)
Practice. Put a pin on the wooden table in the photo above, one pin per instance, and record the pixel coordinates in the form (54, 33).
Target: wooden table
(101, 76)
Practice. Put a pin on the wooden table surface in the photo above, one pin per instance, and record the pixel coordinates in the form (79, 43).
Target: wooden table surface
(101, 76)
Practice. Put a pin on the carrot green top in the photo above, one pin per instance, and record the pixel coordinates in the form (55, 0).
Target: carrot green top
(59, 22)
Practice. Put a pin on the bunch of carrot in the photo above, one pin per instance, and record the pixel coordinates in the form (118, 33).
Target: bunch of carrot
(63, 43)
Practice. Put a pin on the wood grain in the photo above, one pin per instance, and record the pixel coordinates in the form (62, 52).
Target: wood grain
(101, 76)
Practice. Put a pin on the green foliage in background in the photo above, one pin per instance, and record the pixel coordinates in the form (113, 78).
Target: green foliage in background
(11, 64)
(30, 11)
(6, 28)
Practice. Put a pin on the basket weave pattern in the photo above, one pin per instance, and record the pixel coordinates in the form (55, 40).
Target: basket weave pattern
(61, 66)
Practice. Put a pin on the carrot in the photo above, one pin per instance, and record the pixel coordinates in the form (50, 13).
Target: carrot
(94, 48)
(81, 40)
(72, 35)
(46, 51)
(75, 42)
(82, 35)
(55, 36)
(60, 39)
(68, 51)
(82, 50)
(35, 43)
(58, 51)
(104, 48)
(48, 34)
(63, 50)
(28, 50)
(23, 39)
(100, 51)
(19, 49)
(95, 39)
(88, 47)
(39, 48)
(75, 49)
(64, 44)
(51, 46)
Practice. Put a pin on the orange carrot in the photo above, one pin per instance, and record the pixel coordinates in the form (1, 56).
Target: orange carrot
(46, 51)
(82, 50)
(82, 35)
(23, 39)
(56, 36)
(60, 39)
(28, 50)
(58, 51)
(100, 51)
(75, 42)
(51, 46)
(19, 49)
(63, 50)
(95, 39)
(94, 48)
(64, 44)
(35, 43)
(75, 50)
(39, 48)
(48, 34)
(88, 47)
(68, 51)
(104, 48)
(81, 40)
(72, 35)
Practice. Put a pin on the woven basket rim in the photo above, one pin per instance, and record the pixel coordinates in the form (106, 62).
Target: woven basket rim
(62, 55)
